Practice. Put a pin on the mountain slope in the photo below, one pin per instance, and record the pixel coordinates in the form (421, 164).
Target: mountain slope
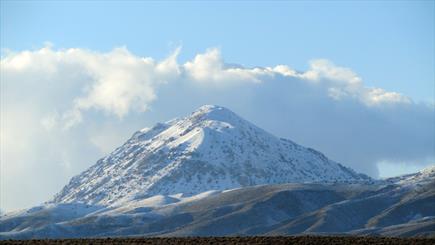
(419, 178)
(211, 149)
(284, 209)
(400, 206)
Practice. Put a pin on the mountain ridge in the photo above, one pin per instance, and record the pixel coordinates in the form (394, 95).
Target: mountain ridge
(380, 209)
(210, 149)
(121, 195)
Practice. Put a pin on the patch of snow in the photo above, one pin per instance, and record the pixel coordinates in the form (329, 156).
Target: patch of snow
(424, 176)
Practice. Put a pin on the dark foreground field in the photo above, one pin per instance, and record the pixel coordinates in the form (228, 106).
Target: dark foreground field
(234, 240)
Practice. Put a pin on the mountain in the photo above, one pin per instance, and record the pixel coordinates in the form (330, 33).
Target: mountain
(386, 209)
(211, 149)
(419, 178)
(213, 173)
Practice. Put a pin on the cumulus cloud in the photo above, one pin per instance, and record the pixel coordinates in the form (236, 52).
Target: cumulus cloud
(63, 109)
(118, 81)
(343, 82)
(210, 68)
(115, 82)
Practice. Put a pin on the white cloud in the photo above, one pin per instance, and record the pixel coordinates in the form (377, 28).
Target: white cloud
(62, 109)
(210, 68)
(122, 82)
(116, 82)
(343, 82)
(322, 68)
(375, 96)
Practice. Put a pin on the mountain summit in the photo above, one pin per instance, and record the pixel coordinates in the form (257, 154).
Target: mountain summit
(211, 149)
(160, 182)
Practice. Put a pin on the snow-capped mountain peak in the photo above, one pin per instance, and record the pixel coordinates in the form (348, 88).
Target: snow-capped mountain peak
(211, 149)
(213, 112)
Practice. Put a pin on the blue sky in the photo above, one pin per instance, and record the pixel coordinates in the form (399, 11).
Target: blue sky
(354, 80)
(389, 43)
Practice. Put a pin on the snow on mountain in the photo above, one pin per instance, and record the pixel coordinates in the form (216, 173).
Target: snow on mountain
(213, 173)
(211, 149)
(263, 210)
(422, 176)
